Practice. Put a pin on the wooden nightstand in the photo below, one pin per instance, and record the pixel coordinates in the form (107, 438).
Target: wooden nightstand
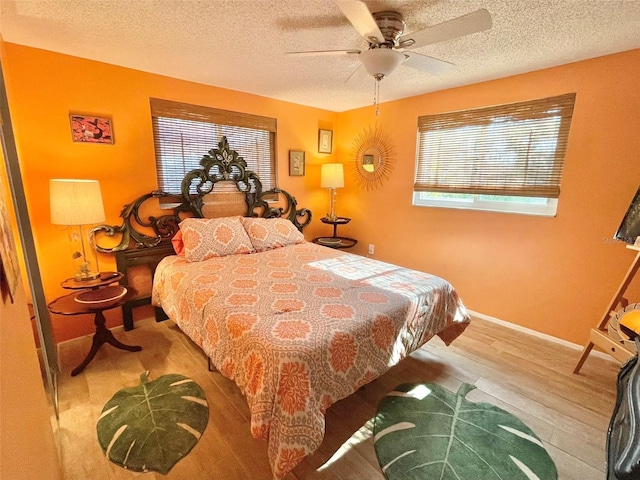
(104, 279)
(335, 241)
(138, 266)
(67, 305)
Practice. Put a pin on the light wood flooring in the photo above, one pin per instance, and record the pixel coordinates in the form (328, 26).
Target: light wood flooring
(523, 374)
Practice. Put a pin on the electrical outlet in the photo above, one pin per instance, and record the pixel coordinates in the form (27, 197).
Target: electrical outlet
(371, 249)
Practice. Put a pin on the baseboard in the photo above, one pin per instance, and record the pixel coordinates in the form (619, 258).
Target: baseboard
(543, 336)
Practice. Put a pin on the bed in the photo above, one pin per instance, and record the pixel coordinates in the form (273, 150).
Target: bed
(296, 325)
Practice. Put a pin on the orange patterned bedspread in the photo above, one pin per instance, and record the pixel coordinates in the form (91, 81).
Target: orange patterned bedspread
(301, 327)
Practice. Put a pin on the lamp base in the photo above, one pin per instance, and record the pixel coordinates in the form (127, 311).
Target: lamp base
(85, 260)
(80, 277)
(332, 205)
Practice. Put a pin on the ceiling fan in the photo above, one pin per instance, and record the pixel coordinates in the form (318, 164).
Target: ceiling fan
(388, 47)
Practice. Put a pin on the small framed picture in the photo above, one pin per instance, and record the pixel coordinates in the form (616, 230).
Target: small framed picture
(296, 163)
(89, 129)
(325, 140)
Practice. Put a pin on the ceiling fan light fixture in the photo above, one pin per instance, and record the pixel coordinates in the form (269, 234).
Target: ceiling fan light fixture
(380, 62)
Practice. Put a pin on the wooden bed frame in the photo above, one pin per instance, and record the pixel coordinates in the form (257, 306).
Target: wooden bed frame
(145, 239)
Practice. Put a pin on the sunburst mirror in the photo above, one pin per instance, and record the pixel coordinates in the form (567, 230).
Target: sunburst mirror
(372, 155)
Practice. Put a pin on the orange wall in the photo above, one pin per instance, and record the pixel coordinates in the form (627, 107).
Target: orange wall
(28, 448)
(553, 275)
(45, 87)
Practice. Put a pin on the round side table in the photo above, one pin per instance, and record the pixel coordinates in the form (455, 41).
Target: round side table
(105, 278)
(335, 241)
(67, 305)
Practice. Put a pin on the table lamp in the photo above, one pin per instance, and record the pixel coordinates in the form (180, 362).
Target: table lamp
(332, 177)
(76, 203)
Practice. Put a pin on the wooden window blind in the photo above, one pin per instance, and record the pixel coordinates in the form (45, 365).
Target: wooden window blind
(516, 149)
(183, 133)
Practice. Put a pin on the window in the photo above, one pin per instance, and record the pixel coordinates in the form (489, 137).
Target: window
(183, 133)
(501, 158)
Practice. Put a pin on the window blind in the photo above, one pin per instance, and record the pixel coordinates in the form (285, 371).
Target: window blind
(516, 149)
(183, 133)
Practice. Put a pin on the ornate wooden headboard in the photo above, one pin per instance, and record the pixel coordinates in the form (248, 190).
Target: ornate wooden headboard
(221, 186)
(219, 166)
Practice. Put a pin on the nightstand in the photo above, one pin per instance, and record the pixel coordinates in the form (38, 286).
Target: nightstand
(67, 305)
(335, 241)
(104, 279)
(138, 266)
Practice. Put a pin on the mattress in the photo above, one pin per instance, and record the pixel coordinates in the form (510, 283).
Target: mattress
(301, 327)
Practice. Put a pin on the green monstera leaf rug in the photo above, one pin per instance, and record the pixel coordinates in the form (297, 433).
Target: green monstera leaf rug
(153, 425)
(423, 431)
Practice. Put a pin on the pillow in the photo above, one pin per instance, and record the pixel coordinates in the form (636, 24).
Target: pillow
(206, 238)
(177, 243)
(266, 233)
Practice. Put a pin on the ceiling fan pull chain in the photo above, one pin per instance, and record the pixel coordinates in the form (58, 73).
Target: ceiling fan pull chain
(376, 95)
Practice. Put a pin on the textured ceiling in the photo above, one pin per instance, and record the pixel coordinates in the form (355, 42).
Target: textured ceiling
(241, 44)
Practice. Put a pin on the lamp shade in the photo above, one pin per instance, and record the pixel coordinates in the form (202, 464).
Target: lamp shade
(75, 202)
(332, 175)
(381, 61)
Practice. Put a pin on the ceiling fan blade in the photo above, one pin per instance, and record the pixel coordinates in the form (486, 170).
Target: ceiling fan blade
(426, 64)
(321, 53)
(360, 17)
(359, 74)
(474, 22)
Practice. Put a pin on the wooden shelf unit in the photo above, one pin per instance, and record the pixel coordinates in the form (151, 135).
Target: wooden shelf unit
(599, 335)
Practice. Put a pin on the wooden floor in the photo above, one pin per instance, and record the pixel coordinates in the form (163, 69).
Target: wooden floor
(523, 374)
